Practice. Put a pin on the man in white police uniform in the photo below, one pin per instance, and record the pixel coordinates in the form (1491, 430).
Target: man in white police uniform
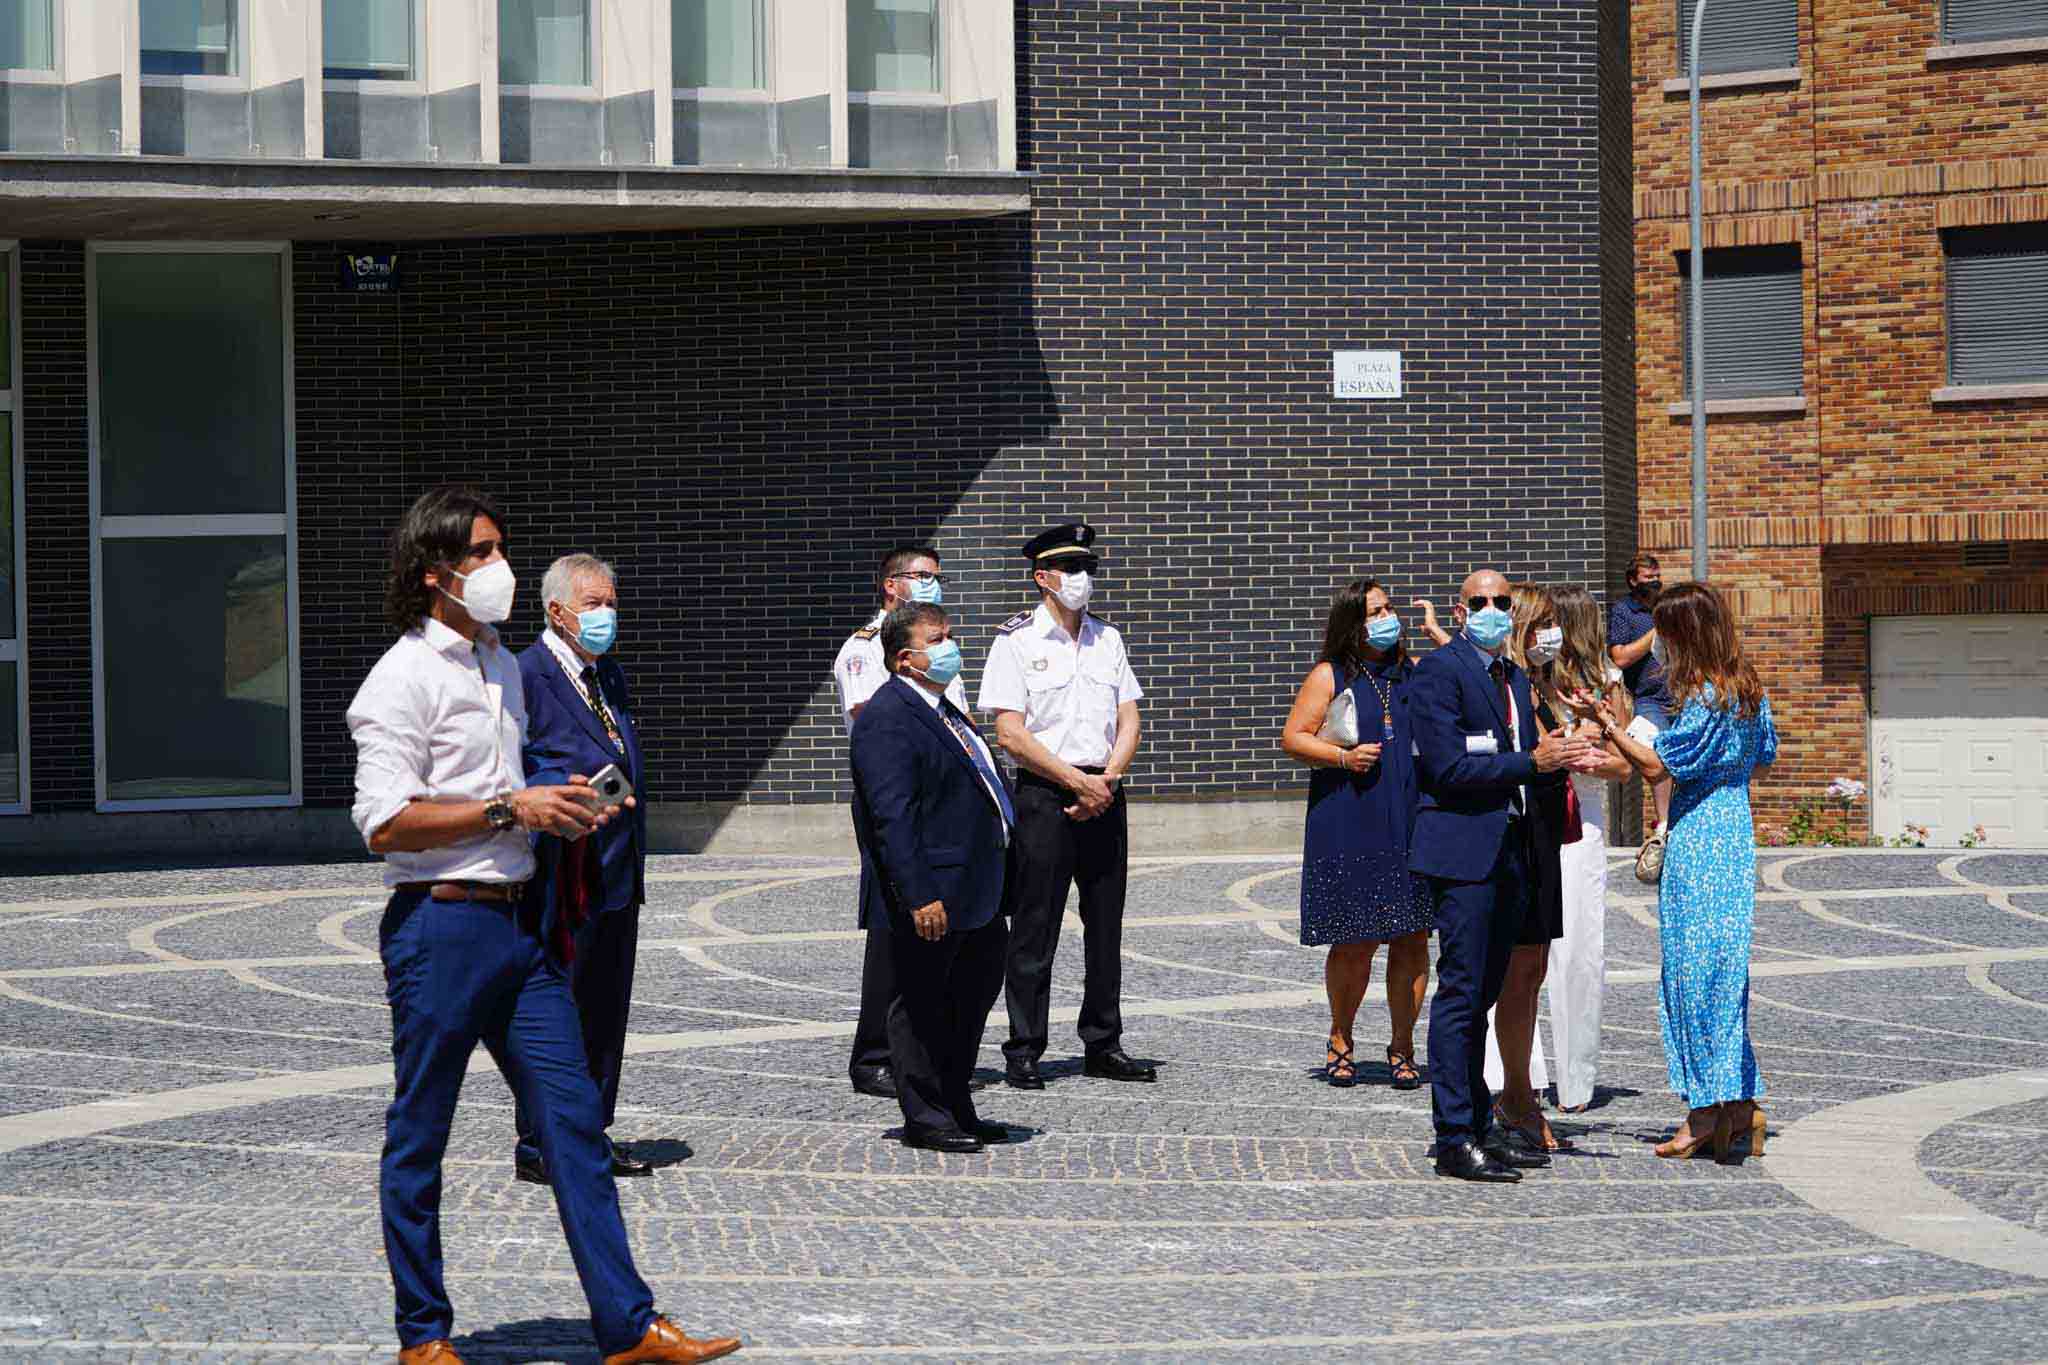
(1065, 702)
(908, 573)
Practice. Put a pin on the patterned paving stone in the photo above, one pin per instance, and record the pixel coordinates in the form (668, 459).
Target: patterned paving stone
(1237, 1209)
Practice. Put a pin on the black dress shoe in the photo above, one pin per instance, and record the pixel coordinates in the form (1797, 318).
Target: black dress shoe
(1508, 1154)
(1466, 1160)
(878, 1081)
(939, 1139)
(625, 1163)
(992, 1134)
(1023, 1075)
(532, 1170)
(1118, 1065)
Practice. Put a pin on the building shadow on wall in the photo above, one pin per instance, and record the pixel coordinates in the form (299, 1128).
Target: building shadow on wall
(742, 422)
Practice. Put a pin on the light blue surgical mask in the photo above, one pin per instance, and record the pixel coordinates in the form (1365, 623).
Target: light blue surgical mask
(1489, 626)
(597, 628)
(927, 590)
(1383, 632)
(942, 663)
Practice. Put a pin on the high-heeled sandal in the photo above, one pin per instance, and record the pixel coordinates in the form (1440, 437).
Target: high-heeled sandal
(1695, 1140)
(1402, 1066)
(1530, 1130)
(1338, 1068)
(1730, 1130)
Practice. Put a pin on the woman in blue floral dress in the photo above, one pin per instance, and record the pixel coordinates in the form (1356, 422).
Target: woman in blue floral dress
(1706, 901)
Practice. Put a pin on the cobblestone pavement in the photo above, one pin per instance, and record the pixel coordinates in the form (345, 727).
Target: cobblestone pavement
(193, 1068)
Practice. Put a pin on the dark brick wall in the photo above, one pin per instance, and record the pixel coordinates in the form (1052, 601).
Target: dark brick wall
(742, 420)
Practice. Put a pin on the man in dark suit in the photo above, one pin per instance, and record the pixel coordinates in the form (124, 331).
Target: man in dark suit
(580, 719)
(1478, 758)
(933, 817)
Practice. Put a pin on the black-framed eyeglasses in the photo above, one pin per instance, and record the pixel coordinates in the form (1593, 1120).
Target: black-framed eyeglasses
(1073, 564)
(922, 576)
(1504, 602)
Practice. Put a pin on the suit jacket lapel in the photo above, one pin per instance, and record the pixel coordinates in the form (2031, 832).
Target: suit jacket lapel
(571, 696)
(952, 742)
(1478, 662)
(624, 721)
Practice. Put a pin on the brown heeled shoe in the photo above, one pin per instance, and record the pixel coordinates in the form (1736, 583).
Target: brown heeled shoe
(1696, 1137)
(1739, 1119)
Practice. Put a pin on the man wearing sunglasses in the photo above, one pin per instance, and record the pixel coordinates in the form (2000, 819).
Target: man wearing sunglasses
(908, 573)
(1479, 758)
(1065, 702)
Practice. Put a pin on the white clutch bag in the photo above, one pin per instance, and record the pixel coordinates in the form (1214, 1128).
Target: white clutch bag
(1340, 722)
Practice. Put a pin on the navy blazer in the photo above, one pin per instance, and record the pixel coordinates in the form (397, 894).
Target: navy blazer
(564, 736)
(1462, 817)
(927, 827)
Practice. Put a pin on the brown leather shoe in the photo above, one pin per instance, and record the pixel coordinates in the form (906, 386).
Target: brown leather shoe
(440, 1352)
(665, 1344)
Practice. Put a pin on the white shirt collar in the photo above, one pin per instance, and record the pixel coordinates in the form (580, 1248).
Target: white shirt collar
(931, 698)
(571, 662)
(1049, 624)
(445, 638)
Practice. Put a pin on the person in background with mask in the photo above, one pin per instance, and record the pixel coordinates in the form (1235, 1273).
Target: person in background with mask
(1632, 645)
(438, 726)
(1356, 889)
(1065, 702)
(934, 819)
(908, 573)
(579, 719)
(1479, 758)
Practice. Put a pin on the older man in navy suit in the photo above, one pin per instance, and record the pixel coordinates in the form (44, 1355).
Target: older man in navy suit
(933, 817)
(1478, 756)
(579, 719)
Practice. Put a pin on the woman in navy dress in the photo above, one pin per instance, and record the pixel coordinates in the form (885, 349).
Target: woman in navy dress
(1706, 900)
(1356, 890)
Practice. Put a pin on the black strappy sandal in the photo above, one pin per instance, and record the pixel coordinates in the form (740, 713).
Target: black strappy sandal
(1338, 1068)
(1402, 1064)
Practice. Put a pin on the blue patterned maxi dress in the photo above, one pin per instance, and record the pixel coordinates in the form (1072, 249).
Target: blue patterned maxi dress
(1706, 901)
(1355, 882)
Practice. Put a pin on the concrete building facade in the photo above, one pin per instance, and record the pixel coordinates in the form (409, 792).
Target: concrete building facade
(1876, 196)
(1063, 258)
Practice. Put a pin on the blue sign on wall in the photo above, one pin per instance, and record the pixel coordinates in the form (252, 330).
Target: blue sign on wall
(369, 272)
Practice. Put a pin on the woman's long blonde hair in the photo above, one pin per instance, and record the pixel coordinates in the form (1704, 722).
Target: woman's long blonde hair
(1581, 665)
(1532, 603)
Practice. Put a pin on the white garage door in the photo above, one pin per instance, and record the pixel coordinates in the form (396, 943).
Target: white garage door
(1959, 731)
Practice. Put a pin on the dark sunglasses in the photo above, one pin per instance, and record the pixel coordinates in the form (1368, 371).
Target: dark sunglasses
(1077, 564)
(1504, 602)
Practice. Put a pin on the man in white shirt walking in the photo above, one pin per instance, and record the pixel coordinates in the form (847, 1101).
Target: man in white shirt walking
(908, 573)
(440, 793)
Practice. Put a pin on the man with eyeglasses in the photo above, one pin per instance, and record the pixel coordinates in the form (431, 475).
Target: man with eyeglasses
(1478, 757)
(908, 573)
(1059, 684)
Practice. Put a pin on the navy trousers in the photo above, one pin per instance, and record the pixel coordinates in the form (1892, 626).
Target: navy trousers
(877, 989)
(457, 973)
(1477, 925)
(601, 980)
(946, 991)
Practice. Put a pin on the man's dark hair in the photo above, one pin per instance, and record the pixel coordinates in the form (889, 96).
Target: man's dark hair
(901, 558)
(897, 625)
(434, 534)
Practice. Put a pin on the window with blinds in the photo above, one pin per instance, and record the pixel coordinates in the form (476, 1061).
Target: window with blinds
(1997, 304)
(1989, 21)
(368, 40)
(1756, 322)
(1741, 35)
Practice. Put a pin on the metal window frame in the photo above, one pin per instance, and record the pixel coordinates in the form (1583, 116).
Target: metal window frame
(593, 63)
(763, 93)
(106, 528)
(415, 84)
(14, 650)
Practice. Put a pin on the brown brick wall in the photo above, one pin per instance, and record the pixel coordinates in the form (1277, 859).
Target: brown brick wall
(1864, 504)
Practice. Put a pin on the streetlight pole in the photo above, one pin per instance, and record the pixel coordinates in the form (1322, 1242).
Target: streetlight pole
(1698, 320)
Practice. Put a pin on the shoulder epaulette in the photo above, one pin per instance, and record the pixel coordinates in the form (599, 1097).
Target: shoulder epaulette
(867, 632)
(1017, 622)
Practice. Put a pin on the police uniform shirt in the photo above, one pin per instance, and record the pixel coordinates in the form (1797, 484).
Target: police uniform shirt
(1067, 690)
(860, 673)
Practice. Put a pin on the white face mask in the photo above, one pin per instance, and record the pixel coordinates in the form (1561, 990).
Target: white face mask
(1549, 641)
(487, 594)
(1074, 591)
